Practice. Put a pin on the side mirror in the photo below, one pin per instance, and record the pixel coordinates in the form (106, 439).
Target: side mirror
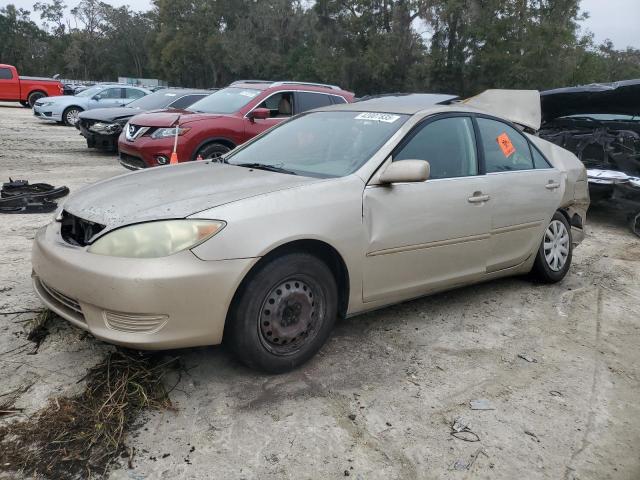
(260, 114)
(404, 171)
(97, 97)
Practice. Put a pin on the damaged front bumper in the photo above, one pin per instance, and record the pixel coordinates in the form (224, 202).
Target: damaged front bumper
(159, 303)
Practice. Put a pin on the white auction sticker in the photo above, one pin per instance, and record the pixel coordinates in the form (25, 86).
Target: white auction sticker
(248, 93)
(378, 117)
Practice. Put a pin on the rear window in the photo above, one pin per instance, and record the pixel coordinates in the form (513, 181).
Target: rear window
(227, 100)
(187, 100)
(5, 74)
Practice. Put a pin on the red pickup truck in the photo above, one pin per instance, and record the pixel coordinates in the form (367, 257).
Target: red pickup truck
(26, 90)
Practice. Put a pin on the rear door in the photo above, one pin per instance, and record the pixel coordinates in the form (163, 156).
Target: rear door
(310, 100)
(524, 189)
(9, 84)
(433, 234)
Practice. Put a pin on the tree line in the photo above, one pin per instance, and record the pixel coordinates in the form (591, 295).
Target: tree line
(368, 46)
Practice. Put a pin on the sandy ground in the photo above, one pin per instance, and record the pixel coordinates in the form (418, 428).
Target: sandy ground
(380, 398)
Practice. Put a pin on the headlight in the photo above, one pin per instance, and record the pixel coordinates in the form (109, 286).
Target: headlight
(156, 239)
(109, 128)
(46, 104)
(169, 132)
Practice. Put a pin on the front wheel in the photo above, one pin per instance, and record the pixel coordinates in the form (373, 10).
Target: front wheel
(70, 116)
(554, 255)
(283, 313)
(213, 151)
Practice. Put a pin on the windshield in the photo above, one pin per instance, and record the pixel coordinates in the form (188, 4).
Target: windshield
(227, 100)
(90, 91)
(157, 100)
(322, 144)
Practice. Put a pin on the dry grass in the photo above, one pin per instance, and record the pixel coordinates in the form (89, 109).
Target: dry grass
(79, 437)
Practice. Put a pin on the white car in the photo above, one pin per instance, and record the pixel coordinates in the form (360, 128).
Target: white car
(66, 108)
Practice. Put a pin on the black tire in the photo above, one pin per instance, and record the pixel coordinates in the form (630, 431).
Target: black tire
(212, 151)
(25, 104)
(69, 114)
(554, 270)
(293, 296)
(34, 97)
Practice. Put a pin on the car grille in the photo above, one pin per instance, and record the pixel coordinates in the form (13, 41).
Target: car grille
(134, 131)
(76, 230)
(62, 299)
(131, 162)
(134, 323)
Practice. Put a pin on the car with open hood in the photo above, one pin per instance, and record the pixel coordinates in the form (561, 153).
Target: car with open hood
(332, 213)
(217, 124)
(66, 108)
(102, 126)
(600, 123)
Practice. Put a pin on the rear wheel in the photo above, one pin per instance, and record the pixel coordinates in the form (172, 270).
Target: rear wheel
(70, 116)
(212, 151)
(34, 97)
(554, 255)
(25, 104)
(283, 314)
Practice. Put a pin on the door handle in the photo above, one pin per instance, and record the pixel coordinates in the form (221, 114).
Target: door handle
(478, 197)
(552, 185)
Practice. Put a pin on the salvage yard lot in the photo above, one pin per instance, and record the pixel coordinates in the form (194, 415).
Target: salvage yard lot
(558, 365)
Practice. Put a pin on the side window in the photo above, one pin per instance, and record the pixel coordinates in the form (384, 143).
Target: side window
(110, 93)
(308, 101)
(5, 74)
(133, 93)
(505, 149)
(336, 99)
(538, 160)
(449, 145)
(280, 104)
(184, 102)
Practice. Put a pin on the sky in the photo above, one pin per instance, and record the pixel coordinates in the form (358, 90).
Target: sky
(616, 20)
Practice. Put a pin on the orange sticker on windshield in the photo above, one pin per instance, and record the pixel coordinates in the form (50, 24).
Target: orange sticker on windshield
(505, 145)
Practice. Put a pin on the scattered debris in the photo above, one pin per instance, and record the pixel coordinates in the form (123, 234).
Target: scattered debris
(527, 358)
(352, 417)
(481, 404)
(460, 430)
(461, 464)
(80, 436)
(555, 393)
(532, 435)
(39, 330)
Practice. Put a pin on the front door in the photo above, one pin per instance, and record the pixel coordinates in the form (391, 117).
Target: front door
(525, 191)
(428, 235)
(280, 105)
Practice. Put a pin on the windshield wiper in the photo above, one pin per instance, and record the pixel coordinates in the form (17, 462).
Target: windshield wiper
(264, 166)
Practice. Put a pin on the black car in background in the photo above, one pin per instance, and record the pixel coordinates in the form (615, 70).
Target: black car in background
(102, 126)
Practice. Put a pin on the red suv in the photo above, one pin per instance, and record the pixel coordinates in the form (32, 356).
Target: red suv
(218, 123)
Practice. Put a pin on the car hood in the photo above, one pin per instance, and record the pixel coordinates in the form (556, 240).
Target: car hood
(173, 192)
(168, 118)
(611, 98)
(109, 114)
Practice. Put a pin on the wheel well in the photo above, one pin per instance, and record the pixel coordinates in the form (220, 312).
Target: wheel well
(223, 141)
(36, 91)
(74, 106)
(324, 252)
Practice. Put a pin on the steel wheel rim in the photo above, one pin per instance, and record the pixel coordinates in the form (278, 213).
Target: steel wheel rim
(556, 245)
(72, 116)
(291, 314)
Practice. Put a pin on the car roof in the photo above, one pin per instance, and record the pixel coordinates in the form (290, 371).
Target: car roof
(181, 91)
(409, 104)
(289, 84)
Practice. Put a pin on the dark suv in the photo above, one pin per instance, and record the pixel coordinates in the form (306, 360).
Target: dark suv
(218, 123)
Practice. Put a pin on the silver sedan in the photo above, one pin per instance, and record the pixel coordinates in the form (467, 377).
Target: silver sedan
(336, 212)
